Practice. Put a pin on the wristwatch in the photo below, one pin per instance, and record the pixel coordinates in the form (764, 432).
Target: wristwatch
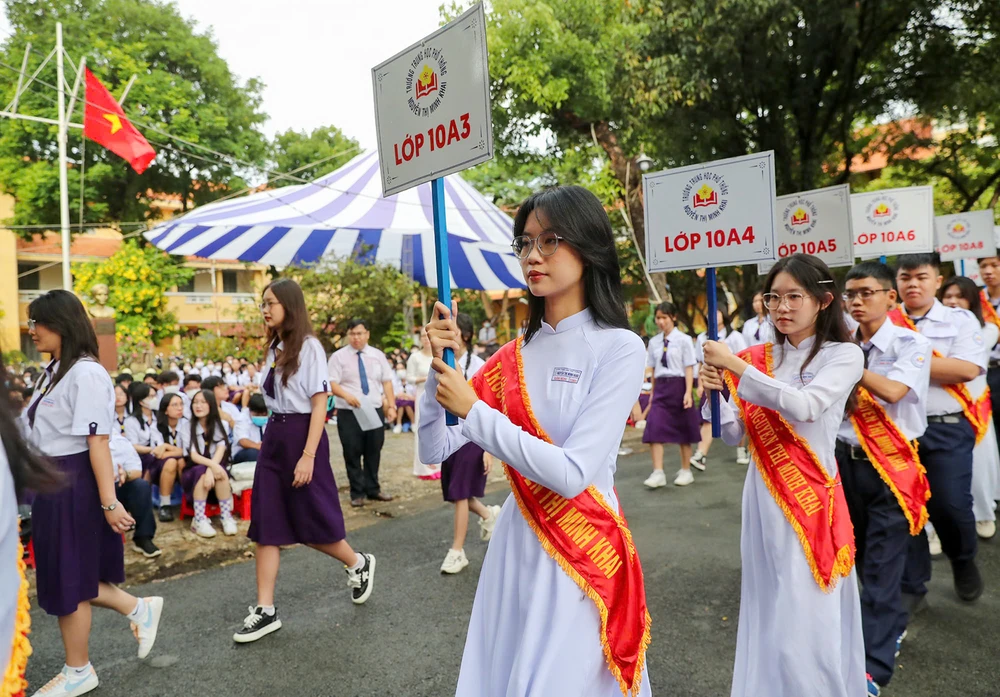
(109, 508)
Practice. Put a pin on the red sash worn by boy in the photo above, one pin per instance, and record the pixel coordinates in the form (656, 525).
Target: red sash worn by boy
(12, 683)
(813, 502)
(584, 535)
(979, 413)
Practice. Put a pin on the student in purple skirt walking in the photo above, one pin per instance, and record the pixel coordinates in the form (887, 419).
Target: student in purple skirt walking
(77, 531)
(207, 471)
(463, 473)
(671, 416)
(295, 499)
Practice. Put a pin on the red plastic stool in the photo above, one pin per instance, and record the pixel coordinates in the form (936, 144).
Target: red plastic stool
(241, 503)
(29, 554)
(187, 510)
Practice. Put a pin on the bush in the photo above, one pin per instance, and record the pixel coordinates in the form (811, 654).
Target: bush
(210, 346)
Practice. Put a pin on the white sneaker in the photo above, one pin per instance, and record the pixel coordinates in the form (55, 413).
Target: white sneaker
(145, 631)
(203, 528)
(657, 479)
(986, 528)
(228, 526)
(684, 477)
(398, 428)
(487, 524)
(742, 456)
(934, 542)
(454, 562)
(67, 684)
(640, 425)
(699, 460)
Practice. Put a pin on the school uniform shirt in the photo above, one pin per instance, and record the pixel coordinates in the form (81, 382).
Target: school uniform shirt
(310, 379)
(955, 333)
(122, 420)
(245, 428)
(179, 435)
(219, 440)
(231, 409)
(123, 454)
(758, 332)
(985, 456)
(231, 380)
(902, 355)
(994, 348)
(10, 577)
(680, 354)
(343, 370)
(734, 340)
(532, 631)
(81, 404)
(790, 633)
(144, 433)
(243, 379)
(474, 364)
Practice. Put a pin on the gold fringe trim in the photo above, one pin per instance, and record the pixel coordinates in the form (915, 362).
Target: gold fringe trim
(14, 683)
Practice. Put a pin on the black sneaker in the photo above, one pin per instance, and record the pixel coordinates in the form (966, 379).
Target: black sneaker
(256, 625)
(145, 546)
(362, 581)
(968, 582)
(166, 514)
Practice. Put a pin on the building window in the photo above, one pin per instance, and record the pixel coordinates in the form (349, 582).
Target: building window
(29, 281)
(187, 286)
(230, 282)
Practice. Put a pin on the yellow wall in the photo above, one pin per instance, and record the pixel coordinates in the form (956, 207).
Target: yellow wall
(10, 332)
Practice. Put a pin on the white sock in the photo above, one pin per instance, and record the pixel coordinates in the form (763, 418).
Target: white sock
(138, 612)
(78, 672)
(359, 563)
(268, 609)
(164, 500)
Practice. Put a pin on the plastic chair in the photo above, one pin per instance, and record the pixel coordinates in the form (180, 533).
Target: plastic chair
(241, 503)
(187, 510)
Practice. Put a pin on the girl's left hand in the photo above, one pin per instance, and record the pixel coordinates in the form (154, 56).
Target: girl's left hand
(303, 471)
(688, 402)
(487, 463)
(454, 393)
(717, 354)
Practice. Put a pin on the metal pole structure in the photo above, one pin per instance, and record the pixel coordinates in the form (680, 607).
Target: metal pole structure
(67, 277)
(713, 334)
(882, 258)
(961, 267)
(443, 269)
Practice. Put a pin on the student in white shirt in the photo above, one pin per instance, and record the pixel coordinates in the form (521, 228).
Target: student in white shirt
(759, 329)
(141, 428)
(206, 473)
(121, 407)
(176, 433)
(418, 366)
(135, 494)
(77, 531)
(805, 639)
(249, 433)
(229, 412)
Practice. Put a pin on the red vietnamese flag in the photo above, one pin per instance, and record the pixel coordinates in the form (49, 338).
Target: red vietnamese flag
(104, 122)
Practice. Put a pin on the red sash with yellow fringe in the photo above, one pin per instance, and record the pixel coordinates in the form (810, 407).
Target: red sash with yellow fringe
(584, 535)
(893, 457)
(12, 682)
(989, 312)
(978, 412)
(813, 502)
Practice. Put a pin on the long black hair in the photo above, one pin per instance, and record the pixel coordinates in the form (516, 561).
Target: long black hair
(62, 312)
(575, 215)
(213, 423)
(969, 291)
(162, 420)
(137, 392)
(29, 469)
(467, 331)
(294, 329)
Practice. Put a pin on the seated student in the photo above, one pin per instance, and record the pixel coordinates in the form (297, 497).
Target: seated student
(171, 382)
(121, 407)
(135, 493)
(153, 380)
(229, 412)
(207, 457)
(125, 380)
(175, 430)
(192, 383)
(140, 427)
(405, 397)
(249, 433)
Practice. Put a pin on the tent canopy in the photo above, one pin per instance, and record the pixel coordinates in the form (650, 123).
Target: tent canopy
(343, 214)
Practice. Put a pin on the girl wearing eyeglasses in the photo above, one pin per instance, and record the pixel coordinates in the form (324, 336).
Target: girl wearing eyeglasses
(800, 616)
(552, 405)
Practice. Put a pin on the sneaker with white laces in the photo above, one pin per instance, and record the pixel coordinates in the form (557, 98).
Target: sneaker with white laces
(699, 460)
(454, 562)
(657, 479)
(229, 526)
(362, 580)
(145, 631)
(68, 684)
(934, 543)
(986, 529)
(397, 429)
(487, 524)
(256, 625)
(874, 690)
(742, 456)
(202, 528)
(683, 478)
(899, 643)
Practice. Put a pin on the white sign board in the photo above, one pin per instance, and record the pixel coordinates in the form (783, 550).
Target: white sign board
(432, 105)
(893, 221)
(970, 269)
(815, 222)
(964, 235)
(714, 214)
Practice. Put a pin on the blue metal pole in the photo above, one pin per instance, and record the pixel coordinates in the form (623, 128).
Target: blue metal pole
(713, 334)
(961, 267)
(882, 258)
(443, 269)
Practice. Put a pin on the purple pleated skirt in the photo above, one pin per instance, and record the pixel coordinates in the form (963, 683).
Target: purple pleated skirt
(668, 421)
(147, 460)
(190, 477)
(75, 548)
(156, 469)
(281, 514)
(462, 475)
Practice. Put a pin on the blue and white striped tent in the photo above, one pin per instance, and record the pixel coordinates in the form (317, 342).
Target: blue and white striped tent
(343, 214)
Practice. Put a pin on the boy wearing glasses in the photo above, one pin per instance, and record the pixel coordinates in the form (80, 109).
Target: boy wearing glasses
(946, 446)
(883, 483)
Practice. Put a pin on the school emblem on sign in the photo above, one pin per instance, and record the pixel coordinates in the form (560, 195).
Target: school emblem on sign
(426, 81)
(882, 210)
(959, 228)
(800, 216)
(705, 196)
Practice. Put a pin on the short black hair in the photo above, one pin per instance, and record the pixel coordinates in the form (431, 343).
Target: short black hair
(211, 382)
(909, 262)
(357, 322)
(169, 376)
(257, 405)
(996, 255)
(193, 377)
(123, 377)
(872, 269)
(666, 308)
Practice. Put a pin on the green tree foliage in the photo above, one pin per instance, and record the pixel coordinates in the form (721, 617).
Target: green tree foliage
(183, 88)
(295, 151)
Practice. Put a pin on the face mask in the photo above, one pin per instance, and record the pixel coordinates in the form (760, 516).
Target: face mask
(198, 364)
(172, 389)
(227, 371)
(259, 420)
(192, 392)
(149, 404)
(401, 374)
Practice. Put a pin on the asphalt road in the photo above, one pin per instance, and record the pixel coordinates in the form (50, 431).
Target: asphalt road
(407, 641)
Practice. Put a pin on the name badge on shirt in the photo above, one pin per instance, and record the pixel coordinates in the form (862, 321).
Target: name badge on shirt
(48, 402)
(566, 375)
(804, 378)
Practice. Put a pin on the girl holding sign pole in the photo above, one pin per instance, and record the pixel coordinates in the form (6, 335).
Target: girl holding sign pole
(800, 629)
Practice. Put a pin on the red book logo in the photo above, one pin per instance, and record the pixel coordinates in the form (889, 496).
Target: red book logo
(800, 217)
(427, 83)
(705, 196)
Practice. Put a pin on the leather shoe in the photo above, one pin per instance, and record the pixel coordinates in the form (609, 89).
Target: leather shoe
(968, 582)
(380, 496)
(357, 503)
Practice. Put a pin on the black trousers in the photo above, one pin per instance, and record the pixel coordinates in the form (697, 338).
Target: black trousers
(946, 452)
(362, 453)
(993, 380)
(136, 496)
(882, 537)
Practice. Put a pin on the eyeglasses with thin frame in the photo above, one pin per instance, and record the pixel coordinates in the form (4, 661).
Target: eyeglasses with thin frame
(865, 294)
(267, 304)
(547, 243)
(31, 325)
(793, 301)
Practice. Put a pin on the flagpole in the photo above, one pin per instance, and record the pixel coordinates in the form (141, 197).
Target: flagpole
(63, 181)
(443, 267)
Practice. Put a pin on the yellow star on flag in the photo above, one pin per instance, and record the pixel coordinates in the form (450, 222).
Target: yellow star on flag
(116, 122)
